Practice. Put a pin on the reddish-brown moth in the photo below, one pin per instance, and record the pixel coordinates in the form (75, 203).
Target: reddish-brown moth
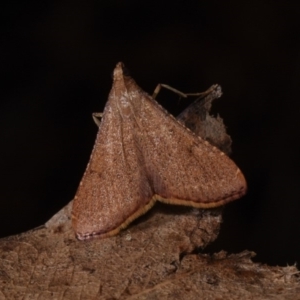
(143, 154)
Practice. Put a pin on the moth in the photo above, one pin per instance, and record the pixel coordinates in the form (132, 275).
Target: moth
(142, 154)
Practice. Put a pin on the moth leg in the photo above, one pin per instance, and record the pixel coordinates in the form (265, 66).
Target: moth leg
(181, 94)
(97, 117)
(160, 85)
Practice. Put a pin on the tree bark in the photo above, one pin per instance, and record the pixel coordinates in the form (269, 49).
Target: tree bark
(155, 258)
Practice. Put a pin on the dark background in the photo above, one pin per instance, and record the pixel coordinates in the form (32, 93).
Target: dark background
(57, 58)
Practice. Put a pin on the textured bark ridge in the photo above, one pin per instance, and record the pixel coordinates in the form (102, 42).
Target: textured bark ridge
(154, 258)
